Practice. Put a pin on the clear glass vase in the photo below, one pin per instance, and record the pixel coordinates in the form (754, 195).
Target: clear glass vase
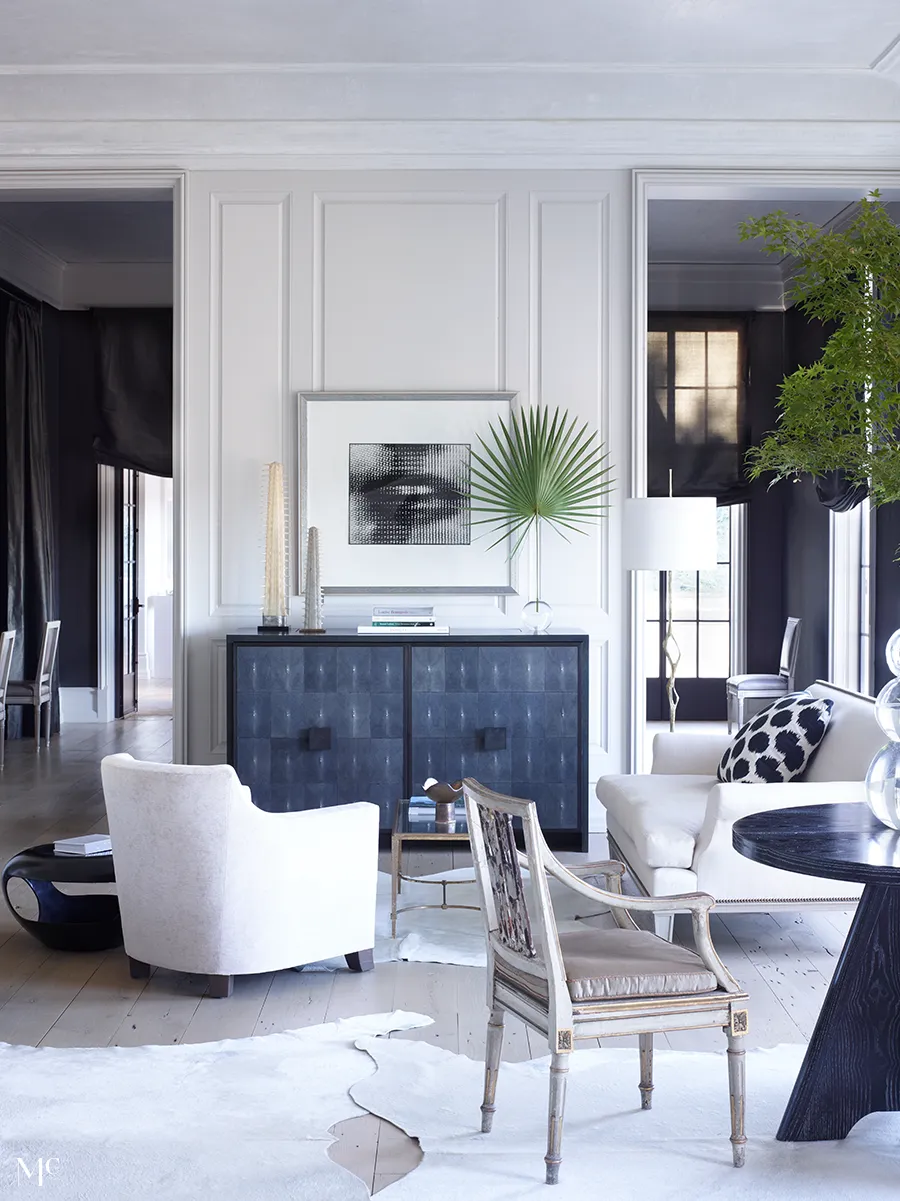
(883, 776)
(537, 616)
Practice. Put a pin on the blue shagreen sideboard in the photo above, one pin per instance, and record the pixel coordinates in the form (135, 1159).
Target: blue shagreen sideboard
(318, 720)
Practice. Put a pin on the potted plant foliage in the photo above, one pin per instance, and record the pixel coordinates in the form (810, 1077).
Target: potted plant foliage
(842, 414)
(537, 469)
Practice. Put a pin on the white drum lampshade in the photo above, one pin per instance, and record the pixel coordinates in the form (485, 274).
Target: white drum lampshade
(669, 533)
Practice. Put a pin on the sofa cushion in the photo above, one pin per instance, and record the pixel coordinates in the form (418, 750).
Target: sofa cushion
(776, 745)
(601, 964)
(854, 736)
(662, 815)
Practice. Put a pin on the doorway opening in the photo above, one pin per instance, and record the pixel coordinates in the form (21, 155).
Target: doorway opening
(115, 243)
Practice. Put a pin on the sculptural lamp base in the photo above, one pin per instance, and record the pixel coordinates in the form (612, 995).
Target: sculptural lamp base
(883, 776)
(537, 617)
(276, 623)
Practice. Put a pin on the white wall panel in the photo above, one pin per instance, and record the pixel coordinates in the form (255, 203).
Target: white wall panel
(412, 293)
(568, 363)
(250, 356)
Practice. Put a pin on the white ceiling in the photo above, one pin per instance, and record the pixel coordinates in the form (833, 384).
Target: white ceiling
(85, 231)
(714, 33)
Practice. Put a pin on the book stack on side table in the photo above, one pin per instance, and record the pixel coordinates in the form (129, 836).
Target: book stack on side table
(403, 619)
(84, 844)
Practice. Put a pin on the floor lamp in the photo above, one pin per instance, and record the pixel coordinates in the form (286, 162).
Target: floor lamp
(669, 533)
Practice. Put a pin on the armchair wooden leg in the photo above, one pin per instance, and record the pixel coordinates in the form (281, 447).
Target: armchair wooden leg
(220, 986)
(137, 969)
(48, 709)
(559, 1070)
(2, 736)
(361, 961)
(736, 1091)
(645, 1042)
(37, 727)
(492, 1068)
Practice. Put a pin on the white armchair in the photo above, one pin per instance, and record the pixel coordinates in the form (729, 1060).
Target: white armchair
(208, 883)
(672, 828)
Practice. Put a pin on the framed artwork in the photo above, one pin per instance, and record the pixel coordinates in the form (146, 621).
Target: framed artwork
(384, 476)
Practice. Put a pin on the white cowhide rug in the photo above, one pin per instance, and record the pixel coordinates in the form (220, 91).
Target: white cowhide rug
(678, 1151)
(242, 1120)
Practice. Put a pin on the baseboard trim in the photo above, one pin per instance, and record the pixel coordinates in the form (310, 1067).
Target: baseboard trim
(83, 705)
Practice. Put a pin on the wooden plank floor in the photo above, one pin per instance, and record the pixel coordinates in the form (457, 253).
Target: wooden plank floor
(47, 998)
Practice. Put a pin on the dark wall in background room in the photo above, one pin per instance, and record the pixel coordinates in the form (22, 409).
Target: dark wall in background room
(78, 515)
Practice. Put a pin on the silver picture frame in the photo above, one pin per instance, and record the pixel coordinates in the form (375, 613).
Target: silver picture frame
(328, 423)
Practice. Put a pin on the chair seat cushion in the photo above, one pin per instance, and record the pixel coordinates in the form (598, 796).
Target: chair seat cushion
(751, 683)
(21, 690)
(663, 815)
(603, 964)
(630, 963)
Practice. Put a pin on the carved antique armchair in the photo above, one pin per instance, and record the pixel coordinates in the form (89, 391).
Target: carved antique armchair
(589, 983)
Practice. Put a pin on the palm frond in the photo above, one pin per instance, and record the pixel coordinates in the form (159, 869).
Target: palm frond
(539, 467)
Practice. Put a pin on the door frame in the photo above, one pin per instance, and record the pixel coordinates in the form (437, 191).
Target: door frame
(101, 706)
(690, 183)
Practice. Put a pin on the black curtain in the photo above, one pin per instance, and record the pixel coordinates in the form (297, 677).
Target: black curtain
(31, 588)
(134, 358)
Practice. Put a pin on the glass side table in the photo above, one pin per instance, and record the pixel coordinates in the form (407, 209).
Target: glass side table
(417, 823)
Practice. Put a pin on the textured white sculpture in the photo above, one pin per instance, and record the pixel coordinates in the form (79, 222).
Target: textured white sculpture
(313, 620)
(275, 602)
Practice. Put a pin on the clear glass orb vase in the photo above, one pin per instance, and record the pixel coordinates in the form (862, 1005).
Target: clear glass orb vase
(883, 776)
(537, 616)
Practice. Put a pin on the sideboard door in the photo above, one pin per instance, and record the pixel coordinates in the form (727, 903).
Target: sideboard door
(319, 725)
(507, 715)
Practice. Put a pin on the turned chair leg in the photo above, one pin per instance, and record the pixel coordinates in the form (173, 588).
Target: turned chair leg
(361, 961)
(37, 727)
(559, 1070)
(220, 986)
(492, 1068)
(736, 1092)
(48, 709)
(645, 1042)
(137, 969)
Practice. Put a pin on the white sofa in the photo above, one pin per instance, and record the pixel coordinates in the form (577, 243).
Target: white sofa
(672, 828)
(209, 883)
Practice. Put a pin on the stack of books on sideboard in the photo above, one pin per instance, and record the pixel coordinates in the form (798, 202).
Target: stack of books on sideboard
(403, 619)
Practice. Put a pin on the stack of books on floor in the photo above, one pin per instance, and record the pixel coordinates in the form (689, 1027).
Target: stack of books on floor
(84, 844)
(403, 619)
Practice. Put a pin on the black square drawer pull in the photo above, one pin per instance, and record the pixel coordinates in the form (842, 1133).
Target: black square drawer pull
(493, 738)
(319, 738)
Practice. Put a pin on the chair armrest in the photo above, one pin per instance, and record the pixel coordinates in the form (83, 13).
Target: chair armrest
(611, 868)
(688, 754)
(698, 904)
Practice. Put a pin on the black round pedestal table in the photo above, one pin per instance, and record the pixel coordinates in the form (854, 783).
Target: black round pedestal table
(852, 1064)
(64, 922)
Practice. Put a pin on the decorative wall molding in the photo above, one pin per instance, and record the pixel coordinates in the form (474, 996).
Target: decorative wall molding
(716, 286)
(250, 263)
(82, 705)
(270, 92)
(218, 698)
(28, 266)
(470, 144)
(113, 285)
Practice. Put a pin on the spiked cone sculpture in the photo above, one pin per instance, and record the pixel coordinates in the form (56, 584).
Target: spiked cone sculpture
(313, 621)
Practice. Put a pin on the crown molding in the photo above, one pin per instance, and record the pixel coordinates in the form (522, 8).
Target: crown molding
(30, 267)
(458, 144)
(888, 61)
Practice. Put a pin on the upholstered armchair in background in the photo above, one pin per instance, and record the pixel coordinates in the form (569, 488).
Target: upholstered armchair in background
(208, 883)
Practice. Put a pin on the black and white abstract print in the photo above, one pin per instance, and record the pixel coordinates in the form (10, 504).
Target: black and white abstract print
(409, 494)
